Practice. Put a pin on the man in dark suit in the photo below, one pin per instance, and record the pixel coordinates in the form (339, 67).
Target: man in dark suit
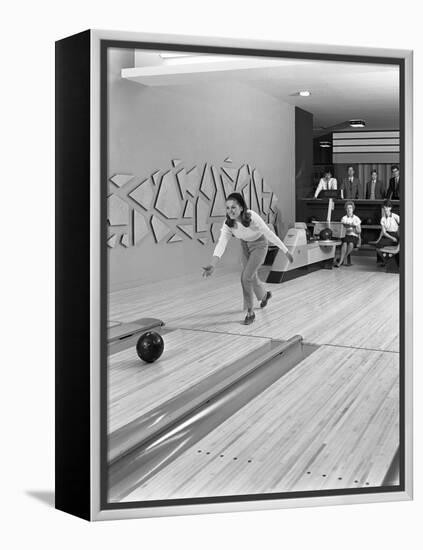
(374, 187)
(393, 192)
(352, 188)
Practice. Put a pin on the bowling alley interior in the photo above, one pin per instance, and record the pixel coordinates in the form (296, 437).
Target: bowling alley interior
(305, 399)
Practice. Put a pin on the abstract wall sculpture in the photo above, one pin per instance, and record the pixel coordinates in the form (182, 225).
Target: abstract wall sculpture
(181, 203)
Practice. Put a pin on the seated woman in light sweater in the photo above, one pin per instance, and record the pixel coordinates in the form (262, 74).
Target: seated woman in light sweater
(352, 239)
(254, 234)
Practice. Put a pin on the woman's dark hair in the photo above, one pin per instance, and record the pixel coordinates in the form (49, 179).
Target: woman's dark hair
(349, 203)
(245, 216)
(387, 203)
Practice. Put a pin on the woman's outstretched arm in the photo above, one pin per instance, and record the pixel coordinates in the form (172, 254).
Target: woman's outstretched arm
(225, 235)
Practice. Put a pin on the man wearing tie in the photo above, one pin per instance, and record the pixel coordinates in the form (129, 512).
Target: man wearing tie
(351, 186)
(393, 192)
(374, 187)
(327, 183)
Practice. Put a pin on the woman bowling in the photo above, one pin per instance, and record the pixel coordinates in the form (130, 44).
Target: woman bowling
(352, 239)
(254, 234)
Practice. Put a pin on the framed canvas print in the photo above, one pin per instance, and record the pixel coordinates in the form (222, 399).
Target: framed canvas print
(234, 292)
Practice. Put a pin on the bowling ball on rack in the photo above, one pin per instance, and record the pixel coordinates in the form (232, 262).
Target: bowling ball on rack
(150, 346)
(325, 234)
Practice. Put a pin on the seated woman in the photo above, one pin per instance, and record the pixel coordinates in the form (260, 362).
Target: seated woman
(389, 232)
(352, 237)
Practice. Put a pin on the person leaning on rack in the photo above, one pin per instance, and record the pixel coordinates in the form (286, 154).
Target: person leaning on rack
(389, 232)
(327, 183)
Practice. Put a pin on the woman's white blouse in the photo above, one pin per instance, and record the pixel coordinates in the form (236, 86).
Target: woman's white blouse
(256, 229)
(390, 223)
(352, 220)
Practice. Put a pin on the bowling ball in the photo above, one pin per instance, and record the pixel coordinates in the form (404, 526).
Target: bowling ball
(150, 346)
(325, 234)
(369, 221)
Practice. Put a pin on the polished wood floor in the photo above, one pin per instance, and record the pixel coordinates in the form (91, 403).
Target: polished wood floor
(330, 423)
(354, 307)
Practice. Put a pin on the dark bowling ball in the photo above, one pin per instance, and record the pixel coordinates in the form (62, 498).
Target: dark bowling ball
(150, 346)
(325, 234)
(369, 221)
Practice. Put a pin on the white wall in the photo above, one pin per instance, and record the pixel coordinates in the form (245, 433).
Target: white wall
(150, 126)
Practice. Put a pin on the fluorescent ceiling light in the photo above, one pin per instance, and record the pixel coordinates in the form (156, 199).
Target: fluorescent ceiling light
(325, 144)
(357, 123)
(304, 93)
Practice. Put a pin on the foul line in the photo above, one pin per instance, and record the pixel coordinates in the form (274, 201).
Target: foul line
(364, 349)
(281, 339)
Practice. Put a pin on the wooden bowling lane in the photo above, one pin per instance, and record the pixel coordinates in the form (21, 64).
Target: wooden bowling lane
(135, 387)
(329, 423)
(345, 307)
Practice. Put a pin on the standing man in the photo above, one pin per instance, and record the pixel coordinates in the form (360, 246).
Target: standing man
(374, 187)
(352, 188)
(393, 192)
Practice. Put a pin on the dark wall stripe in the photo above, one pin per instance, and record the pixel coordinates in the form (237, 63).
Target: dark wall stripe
(303, 159)
(353, 151)
(358, 139)
(72, 382)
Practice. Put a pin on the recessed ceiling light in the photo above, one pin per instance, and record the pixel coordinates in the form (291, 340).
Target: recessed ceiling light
(357, 123)
(304, 93)
(325, 144)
